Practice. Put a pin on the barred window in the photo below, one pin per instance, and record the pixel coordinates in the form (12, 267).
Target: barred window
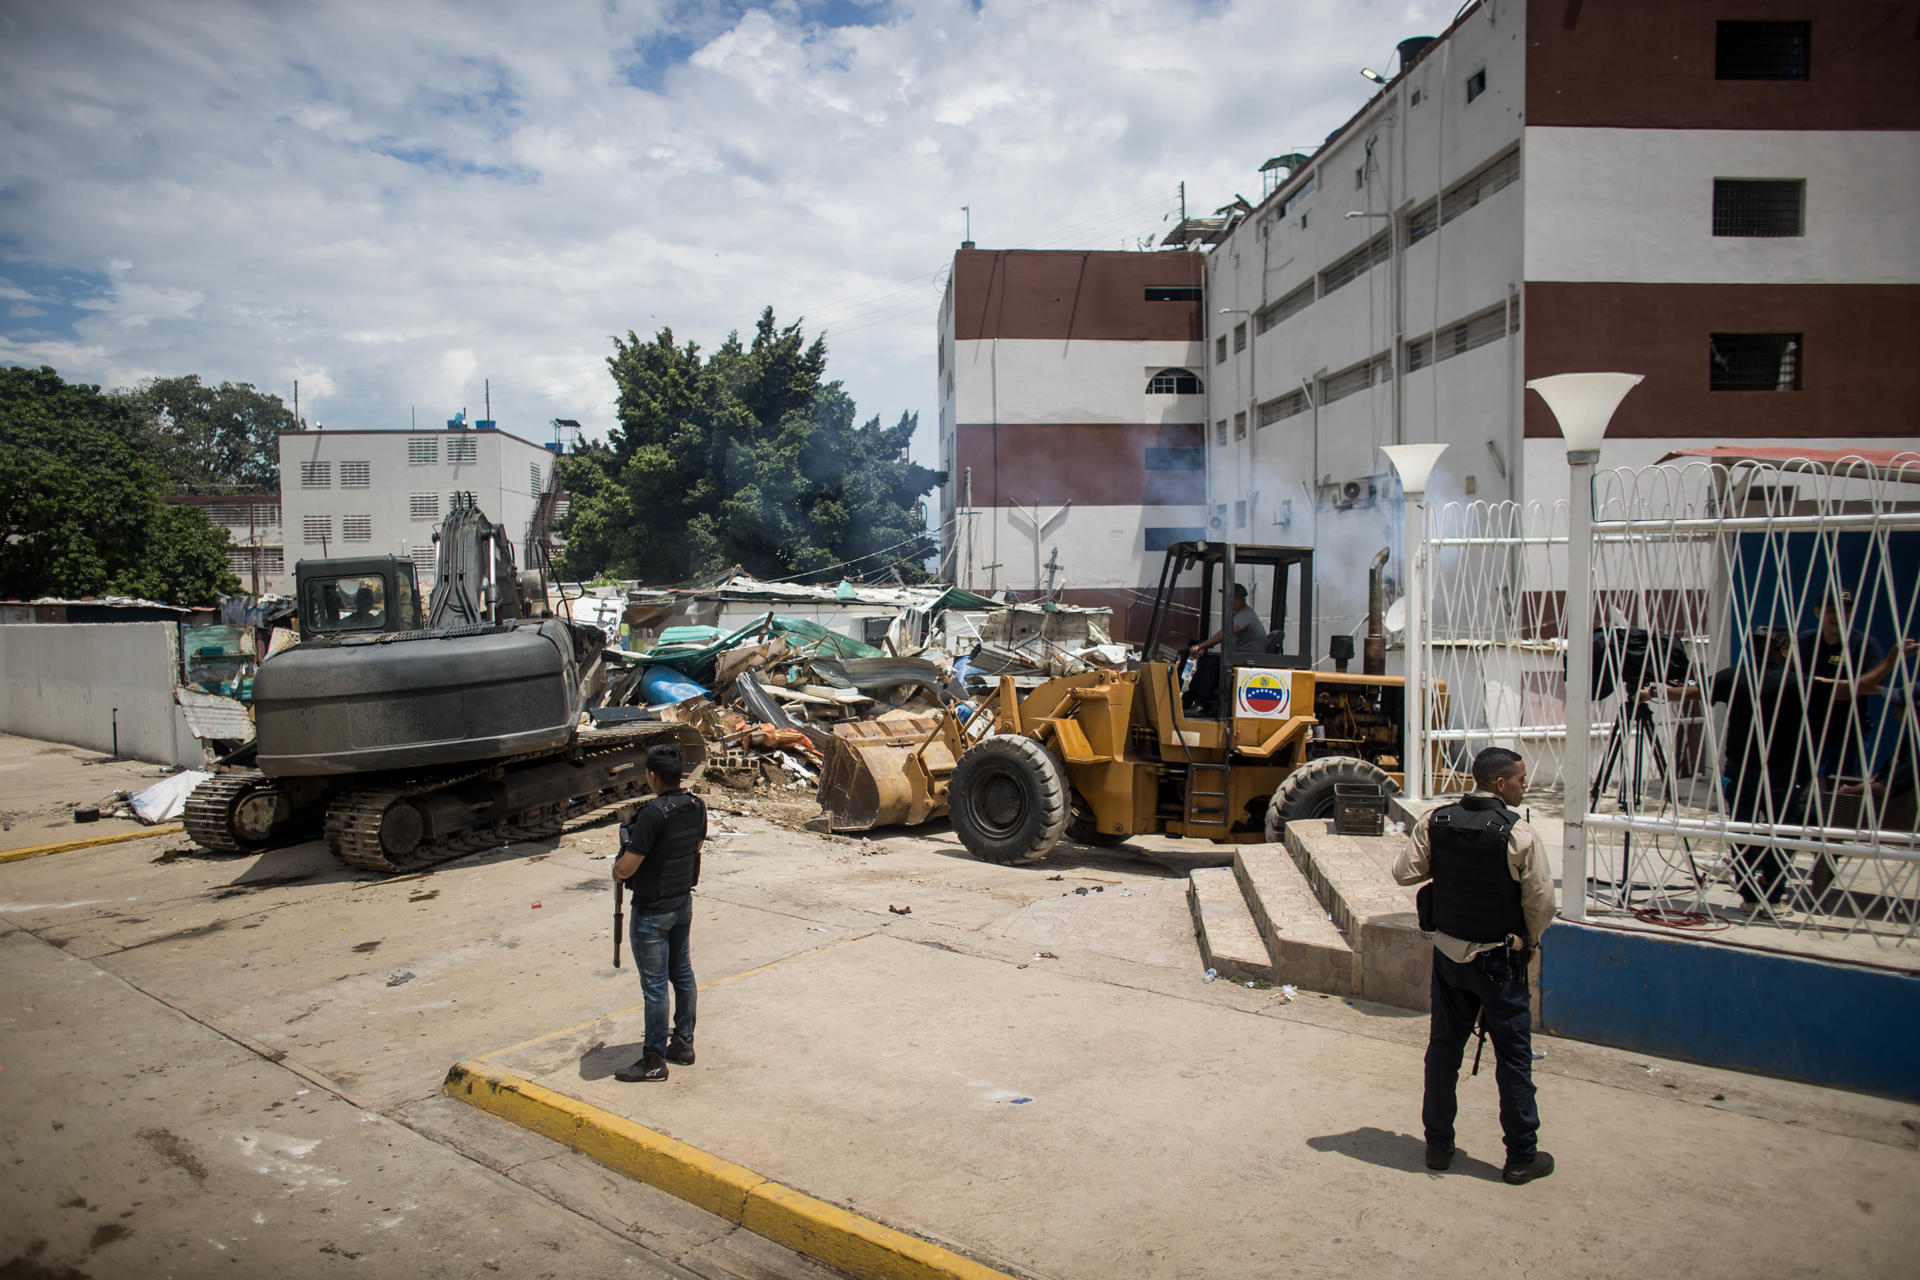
(228, 515)
(316, 475)
(269, 514)
(356, 528)
(1175, 382)
(1470, 191)
(1753, 362)
(273, 560)
(1423, 222)
(423, 451)
(1292, 304)
(1220, 433)
(1290, 405)
(423, 563)
(1240, 337)
(240, 561)
(1762, 50)
(316, 528)
(533, 479)
(1358, 378)
(1759, 206)
(1356, 264)
(424, 506)
(463, 449)
(1419, 353)
(1475, 331)
(1240, 425)
(355, 475)
(1220, 349)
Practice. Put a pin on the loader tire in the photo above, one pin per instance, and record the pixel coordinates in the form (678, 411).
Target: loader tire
(1008, 799)
(1308, 790)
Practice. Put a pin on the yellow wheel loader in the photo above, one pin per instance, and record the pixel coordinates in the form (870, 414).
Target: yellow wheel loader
(1256, 738)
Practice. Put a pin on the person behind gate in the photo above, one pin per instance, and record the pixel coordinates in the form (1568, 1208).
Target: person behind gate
(1492, 899)
(660, 863)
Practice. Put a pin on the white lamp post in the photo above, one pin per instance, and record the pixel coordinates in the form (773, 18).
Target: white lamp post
(1414, 463)
(1583, 405)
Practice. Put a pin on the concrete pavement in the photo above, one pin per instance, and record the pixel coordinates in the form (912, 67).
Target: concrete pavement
(1034, 1076)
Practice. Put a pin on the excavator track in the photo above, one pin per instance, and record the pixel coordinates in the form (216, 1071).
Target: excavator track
(210, 806)
(368, 828)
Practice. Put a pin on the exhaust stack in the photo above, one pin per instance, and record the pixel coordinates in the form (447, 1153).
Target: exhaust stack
(1373, 653)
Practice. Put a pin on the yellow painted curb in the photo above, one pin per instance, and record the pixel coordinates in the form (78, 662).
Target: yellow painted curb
(823, 1232)
(15, 855)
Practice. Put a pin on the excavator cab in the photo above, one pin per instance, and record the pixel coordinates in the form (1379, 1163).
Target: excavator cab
(364, 594)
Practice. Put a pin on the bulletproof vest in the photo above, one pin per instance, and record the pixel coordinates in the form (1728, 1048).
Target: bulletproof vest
(672, 864)
(1475, 897)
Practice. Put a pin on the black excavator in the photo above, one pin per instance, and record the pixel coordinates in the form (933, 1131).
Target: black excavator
(412, 734)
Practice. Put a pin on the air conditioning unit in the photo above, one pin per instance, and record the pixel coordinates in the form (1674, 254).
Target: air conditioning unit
(1357, 493)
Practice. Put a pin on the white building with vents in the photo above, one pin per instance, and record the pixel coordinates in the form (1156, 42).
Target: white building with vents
(359, 493)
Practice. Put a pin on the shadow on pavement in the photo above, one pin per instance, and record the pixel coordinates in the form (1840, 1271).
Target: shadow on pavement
(601, 1061)
(1401, 1151)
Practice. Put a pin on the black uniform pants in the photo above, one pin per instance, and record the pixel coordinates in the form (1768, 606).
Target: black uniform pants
(1494, 983)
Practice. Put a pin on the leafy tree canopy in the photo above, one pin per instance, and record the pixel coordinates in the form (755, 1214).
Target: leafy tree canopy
(746, 456)
(213, 439)
(80, 501)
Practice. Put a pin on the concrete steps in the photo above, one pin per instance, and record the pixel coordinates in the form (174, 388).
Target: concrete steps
(1320, 911)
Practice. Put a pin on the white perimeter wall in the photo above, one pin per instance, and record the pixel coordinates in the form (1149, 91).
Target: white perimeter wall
(1016, 380)
(63, 682)
(1636, 205)
(1099, 546)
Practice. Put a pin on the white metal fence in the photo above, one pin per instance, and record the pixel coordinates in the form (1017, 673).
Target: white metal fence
(1753, 727)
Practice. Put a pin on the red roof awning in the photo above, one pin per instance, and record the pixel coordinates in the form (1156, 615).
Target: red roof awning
(1900, 463)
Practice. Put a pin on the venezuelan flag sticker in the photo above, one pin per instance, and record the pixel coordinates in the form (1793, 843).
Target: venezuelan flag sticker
(1263, 695)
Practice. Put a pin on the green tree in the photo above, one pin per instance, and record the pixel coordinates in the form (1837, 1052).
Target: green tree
(80, 501)
(213, 439)
(749, 457)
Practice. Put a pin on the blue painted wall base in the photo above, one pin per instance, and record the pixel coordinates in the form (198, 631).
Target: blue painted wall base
(1830, 1024)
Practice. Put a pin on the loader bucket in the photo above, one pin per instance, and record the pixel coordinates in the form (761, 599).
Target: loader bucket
(873, 778)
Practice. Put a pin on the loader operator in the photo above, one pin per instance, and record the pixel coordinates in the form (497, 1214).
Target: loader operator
(1249, 636)
(660, 863)
(1492, 898)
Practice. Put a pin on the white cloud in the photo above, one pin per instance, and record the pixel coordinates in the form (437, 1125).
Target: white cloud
(393, 202)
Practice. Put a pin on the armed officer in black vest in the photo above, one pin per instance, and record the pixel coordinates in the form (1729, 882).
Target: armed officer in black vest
(660, 863)
(1492, 898)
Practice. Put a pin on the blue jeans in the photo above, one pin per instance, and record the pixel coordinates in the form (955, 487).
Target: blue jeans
(658, 934)
(1493, 982)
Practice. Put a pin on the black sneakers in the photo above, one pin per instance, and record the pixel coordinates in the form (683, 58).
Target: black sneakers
(1519, 1174)
(1439, 1157)
(679, 1052)
(650, 1067)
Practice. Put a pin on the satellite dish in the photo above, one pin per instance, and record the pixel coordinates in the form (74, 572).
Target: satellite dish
(1396, 616)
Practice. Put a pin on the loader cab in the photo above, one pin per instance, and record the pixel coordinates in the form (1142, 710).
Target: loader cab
(366, 595)
(1195, 595)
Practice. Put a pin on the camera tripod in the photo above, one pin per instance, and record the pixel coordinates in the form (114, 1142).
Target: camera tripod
(1633, 732)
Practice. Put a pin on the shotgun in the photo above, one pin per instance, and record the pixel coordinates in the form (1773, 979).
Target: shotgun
(618, 920)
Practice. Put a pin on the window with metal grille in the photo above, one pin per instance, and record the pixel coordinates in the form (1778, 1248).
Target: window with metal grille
(1294, 303)
(1753, 362)
(1759, 206)
(1220, 349)
(1471, 190)
(463, 449)
(1240, 425)
(316, 475)
(423, 451)
(316, 528)
(1423, 222)
(1175, 382)
(1290, 405)
(1239, 513)
(1220, 432)
(1356, 264)
(1358, 378)
(1173, 293)
(1240, 336)
(356, 528)
(1419, 353)
(269, 515)
(1762, 50)
(423, 563)
(533, 479)
(1476, 84)
(240, 561)
(1160, 537)
(1474, 331)
(356, 475)
(228, 515)
(273, 560)
(424, 506)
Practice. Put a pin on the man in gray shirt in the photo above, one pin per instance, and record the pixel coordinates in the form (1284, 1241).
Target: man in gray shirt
(1249, 636)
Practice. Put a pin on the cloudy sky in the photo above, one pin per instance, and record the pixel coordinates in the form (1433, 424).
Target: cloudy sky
(392, 200)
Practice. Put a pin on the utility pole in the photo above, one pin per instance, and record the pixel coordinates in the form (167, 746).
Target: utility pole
(486, 385)
(1183, 204)
(296, 406)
